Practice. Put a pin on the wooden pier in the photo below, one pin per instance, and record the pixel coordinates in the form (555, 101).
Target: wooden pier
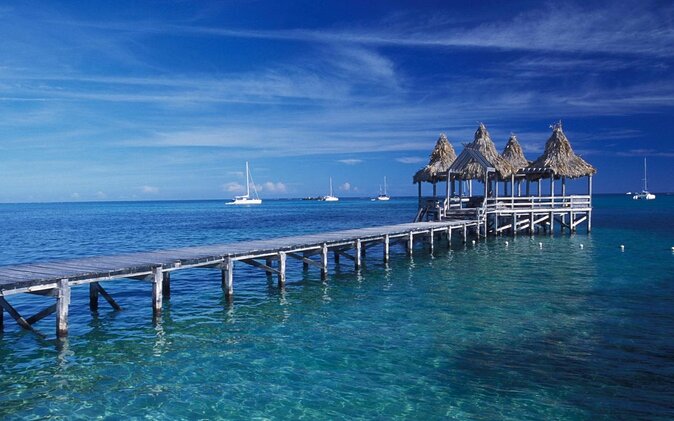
(55, 279)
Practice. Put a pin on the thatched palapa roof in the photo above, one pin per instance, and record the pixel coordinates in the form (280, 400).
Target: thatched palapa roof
(560, 159)
(441, 158)
(513, 154)
(483, 144)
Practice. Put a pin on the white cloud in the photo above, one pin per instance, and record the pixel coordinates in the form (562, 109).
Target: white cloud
(345, 187)
(350, 161)
(233, 187)
(75, 196)
(236, 173)
(411, 159)
(100, 195)
(272, 187)
(149, 189)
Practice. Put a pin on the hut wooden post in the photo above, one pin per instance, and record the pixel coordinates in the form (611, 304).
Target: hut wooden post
(157, 295)
(435, 189)
(449, 237)
(281, 269)
(269, 262)
(358, 253)
(512, 191)
(465, 234)
(93, 296)
(470, 188)
(336, 257)
(589, 213)
(431, 241)
(410, 243)
(386, 248)
(324, 261)
(62, 305)
(460, 194)
(419, 190)
(305, 265)
(563, 186)
(227, 272)
(528, 189)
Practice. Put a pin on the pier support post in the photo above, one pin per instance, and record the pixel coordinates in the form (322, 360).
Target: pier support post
(2, 319)
(589, 221)
(269, 262)
(336, 256)
(357, 254)
(228, 277)
(93, 296)
(324, 262)
(157, 295)
(431, 241)
(531, 224)
(305, 265)
(386, 248)
(62, 304)
(410, 243)
(571, 227)
(281, 269)
(552, 224)
(166, 285)
(465, 233)
(449, 237)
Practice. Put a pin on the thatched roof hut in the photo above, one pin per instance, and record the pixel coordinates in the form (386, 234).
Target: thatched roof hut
(559, 158)
(441, 158)
(513, 154)
(485, 146)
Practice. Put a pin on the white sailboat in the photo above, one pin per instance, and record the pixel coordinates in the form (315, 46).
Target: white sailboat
(383, 196)
(246, 199)
(330, 197)
(644, 195)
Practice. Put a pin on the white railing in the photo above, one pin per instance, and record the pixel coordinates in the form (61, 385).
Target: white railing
(540, 202)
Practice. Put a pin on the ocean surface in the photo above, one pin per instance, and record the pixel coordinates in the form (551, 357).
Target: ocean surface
(483, 332)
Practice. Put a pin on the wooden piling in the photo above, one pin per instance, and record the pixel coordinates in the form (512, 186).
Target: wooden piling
(431, 242)
(269, 262)
(62, 305)
(358, 254)
(166, 285)
(465, 233)
(386, 248)
(157, 286)
(281, 269)
(93, 296)
(324, 261)
(227, 271)
(410, 243)
(305, 265)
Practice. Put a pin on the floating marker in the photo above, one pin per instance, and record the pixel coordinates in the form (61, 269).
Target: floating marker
(540, 245)
(622, 247)
(581, 247)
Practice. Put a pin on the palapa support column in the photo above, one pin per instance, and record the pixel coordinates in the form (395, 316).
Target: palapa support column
(410, 243)
(157, 287)
(93, 296)
(572, 228)
(465, 233)
(62, 305)
(281, 269)
(166, 285)
(449, 237)
(358, 254)
(227, 271)
(324, 262)
(386, 248)
(552, 223)
(589, 221)
(531, 224)
(431, 242)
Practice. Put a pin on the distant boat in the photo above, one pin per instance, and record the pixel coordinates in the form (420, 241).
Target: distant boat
(383, 196)
(330, 197)
(246, 199)
(644, 195)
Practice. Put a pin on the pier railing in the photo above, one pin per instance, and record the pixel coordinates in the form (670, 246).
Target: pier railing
(540, 202)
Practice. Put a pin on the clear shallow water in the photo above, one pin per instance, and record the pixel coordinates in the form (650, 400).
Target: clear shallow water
(484, 332)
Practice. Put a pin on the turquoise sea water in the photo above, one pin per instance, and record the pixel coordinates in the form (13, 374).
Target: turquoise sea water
(476, 332)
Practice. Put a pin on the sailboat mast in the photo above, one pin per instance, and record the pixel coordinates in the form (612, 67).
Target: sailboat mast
(247, 181)
(645, 178)
(330, 186)
(384, 185)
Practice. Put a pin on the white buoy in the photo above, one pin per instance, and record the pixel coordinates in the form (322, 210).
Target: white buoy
(622, 247)
(506, 243)
(581, 246)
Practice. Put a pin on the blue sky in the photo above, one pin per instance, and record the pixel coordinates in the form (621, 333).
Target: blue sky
(132, 100)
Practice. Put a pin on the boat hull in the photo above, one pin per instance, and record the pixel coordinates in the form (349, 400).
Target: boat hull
(245, 202)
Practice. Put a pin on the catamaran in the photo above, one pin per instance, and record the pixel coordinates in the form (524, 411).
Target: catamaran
(246, 199)
(330, 197)
(383, 196)
(644, 195)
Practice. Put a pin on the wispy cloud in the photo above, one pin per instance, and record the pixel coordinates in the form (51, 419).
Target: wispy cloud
(149, 189)
(411, 159)
(350, 161)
